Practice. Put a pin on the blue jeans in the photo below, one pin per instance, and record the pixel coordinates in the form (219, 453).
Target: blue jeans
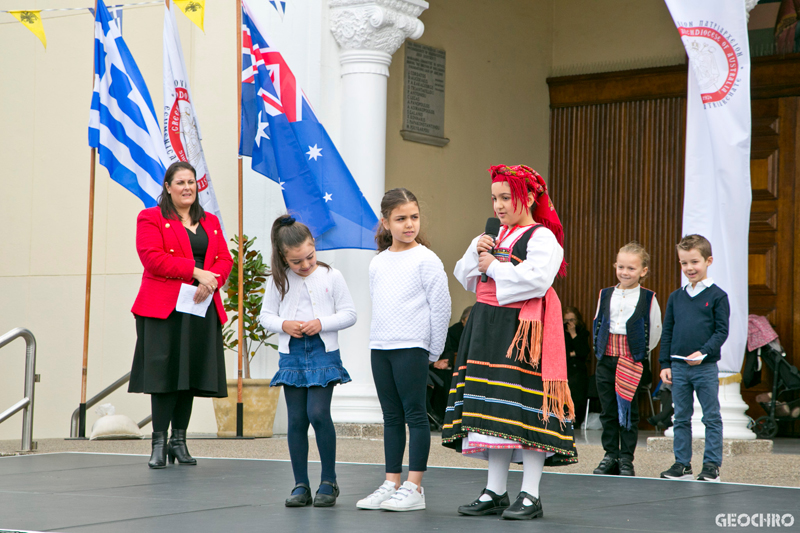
(703, 380)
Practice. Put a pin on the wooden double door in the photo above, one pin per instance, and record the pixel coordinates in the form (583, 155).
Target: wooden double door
(616, 174)
(772, 269)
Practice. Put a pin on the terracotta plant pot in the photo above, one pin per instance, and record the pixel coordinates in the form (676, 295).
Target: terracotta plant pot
(260, 403)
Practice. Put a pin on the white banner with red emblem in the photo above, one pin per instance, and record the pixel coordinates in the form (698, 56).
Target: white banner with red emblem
(181, 129)
(717, 192)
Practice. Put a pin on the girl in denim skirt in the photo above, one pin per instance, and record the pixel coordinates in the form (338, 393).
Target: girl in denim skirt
(307, 306)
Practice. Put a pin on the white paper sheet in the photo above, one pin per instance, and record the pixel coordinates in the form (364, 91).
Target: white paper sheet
(186, 301)
(702, 356)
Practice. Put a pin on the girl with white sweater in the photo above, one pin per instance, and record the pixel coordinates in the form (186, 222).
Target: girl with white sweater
(307, 306)
(410, 316)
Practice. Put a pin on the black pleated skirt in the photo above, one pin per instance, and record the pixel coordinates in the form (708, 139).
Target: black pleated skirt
(182, 352)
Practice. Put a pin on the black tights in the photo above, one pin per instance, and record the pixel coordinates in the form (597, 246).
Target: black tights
(175, 407)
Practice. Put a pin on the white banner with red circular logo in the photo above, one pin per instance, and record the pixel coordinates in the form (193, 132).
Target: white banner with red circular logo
(717, 193)
(181, 129)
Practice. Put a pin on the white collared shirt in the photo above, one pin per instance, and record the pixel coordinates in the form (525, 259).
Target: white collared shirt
(623, 304)
(699, 287)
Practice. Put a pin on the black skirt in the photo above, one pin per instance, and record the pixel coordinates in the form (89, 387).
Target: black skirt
(182, 352)
(493, 395)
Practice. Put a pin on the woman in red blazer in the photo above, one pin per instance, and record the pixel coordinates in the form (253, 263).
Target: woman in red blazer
(178, 355)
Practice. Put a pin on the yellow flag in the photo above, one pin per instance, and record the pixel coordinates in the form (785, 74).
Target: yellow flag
(194, 9)
(33, 22)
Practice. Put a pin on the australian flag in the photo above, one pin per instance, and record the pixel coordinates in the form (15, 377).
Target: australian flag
(286, 142)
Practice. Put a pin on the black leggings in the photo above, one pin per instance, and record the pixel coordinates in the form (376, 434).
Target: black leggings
(175, 407)
(311, 405)
(401, 379)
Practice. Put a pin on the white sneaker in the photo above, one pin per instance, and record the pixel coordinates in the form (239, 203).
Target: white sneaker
(407, 498)
(374, 500)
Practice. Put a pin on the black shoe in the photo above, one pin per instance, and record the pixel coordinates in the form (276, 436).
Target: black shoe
(327, 500)
(177, 449)
(299, 500)
(158, 459)
(626, 467)
(520, 511)
(609, 466)
(710, 472)
(479, 508)
(678, 471)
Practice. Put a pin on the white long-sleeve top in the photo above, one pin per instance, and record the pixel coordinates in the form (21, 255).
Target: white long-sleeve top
(527, 280)
(330, 299)
(623, 304)
(410, 301)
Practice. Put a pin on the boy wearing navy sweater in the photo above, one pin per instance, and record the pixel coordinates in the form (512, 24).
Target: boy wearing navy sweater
(695, 326)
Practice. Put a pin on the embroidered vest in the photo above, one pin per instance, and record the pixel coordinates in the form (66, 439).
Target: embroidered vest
(514, 254)
(637, 326)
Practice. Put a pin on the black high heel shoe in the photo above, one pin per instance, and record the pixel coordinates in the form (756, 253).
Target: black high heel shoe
(158, 458)
(178, 450)
(327, 500)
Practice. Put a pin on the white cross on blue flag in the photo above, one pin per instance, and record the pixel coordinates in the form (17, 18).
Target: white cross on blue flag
(289, 145)
(122, 120)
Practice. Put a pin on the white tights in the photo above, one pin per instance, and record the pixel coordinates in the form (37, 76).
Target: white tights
(532, 466)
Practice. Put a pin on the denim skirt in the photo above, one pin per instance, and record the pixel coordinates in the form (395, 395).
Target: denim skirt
(308, 364)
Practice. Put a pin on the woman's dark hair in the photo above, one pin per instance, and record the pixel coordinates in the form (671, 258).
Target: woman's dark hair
(579, 323)
(196, 211)
(287, 233)
(391, 201)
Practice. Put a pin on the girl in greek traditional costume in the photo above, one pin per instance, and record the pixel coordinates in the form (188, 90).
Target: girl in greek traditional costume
(509, 399)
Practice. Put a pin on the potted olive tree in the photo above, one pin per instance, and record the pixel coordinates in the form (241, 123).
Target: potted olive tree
(259, 399)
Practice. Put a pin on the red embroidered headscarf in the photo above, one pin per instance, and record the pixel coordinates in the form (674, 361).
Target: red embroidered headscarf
(522, 180)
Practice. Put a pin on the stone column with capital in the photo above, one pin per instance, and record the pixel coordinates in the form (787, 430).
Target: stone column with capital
(368, 33)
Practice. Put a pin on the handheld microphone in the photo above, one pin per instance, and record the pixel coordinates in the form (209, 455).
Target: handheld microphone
(492, 229)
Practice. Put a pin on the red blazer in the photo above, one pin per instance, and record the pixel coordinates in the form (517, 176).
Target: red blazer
(168, 261)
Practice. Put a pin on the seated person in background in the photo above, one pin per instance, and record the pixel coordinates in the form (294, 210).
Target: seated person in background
(576, 338)
(443, 369)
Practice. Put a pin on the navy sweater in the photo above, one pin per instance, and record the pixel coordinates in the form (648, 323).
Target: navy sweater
(695, 324)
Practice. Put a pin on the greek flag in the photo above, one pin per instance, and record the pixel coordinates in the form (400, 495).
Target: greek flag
(122, 121)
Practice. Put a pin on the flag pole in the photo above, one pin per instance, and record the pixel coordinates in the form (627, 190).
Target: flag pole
(239, 405)
(87, 306)
(88, 301)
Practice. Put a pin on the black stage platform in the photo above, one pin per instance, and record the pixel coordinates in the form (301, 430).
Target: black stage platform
(118, 493)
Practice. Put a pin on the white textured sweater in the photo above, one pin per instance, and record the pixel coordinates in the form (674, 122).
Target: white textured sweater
(330, 300)
(410, 301)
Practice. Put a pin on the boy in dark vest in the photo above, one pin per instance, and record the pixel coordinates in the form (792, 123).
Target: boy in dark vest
(627, 327)
(695, 326)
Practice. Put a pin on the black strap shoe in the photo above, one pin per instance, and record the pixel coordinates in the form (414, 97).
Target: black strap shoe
(626, 467)
(480, 508)
(520, 511)
(609, 466)
(177, 449)
(326, 500)
(299, 500)
(158, 458)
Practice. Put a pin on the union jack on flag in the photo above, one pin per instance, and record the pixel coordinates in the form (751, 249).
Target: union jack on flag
(288, 144)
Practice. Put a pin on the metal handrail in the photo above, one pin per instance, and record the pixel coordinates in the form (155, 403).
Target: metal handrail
(25, 404)
(94, 400)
